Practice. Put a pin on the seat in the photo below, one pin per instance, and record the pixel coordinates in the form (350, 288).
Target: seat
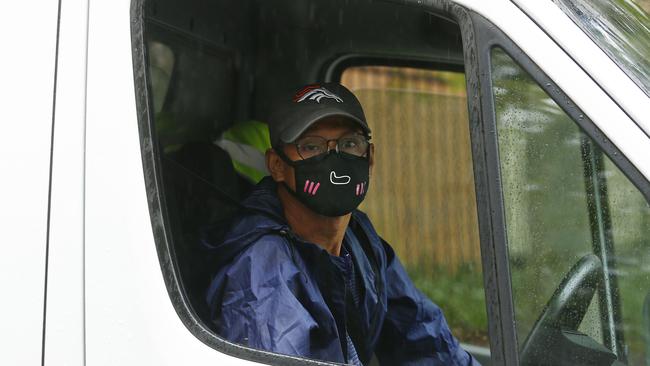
(201, 190)
(200, 187)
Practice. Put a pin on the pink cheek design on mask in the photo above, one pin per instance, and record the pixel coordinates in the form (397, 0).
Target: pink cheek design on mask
(311, 187)
(361, 188)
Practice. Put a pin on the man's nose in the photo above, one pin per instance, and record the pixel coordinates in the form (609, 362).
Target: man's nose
(332, 145)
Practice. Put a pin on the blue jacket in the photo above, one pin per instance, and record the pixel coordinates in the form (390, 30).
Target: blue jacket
(276, 292)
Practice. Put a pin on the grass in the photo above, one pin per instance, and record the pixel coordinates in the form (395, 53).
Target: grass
(460, 296)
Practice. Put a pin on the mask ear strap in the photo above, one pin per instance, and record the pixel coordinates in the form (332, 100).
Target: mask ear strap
(288, 189)
(283, 156)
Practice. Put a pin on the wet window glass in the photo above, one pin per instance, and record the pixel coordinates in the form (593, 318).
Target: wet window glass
(433, 226)
(576, 231)
(630, 225)
(621, 28)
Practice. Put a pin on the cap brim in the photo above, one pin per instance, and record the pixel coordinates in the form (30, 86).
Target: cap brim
(294, 131)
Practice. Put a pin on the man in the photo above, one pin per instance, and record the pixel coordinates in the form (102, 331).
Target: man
(303, 271)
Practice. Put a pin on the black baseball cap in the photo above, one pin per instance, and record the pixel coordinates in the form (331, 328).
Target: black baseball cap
(294, 113)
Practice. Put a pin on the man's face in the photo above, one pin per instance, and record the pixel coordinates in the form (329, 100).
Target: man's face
(329, 128)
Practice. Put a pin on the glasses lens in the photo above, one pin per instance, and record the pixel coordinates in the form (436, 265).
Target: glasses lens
(311, 146)
(356, 145)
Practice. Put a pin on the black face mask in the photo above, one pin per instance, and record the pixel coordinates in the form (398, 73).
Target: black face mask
(331, 184)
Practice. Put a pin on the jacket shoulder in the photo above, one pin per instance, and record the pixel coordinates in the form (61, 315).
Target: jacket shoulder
(269, 253)
(260, 303)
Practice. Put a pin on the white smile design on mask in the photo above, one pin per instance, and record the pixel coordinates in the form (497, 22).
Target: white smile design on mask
(342, 180)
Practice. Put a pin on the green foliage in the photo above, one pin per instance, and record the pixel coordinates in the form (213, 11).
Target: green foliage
(460, 296)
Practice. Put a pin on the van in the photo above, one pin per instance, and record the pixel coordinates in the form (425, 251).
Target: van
(512, 173)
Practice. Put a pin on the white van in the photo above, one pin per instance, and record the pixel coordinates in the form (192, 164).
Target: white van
(513, 174)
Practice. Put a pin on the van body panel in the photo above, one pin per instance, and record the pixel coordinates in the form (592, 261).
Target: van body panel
(64, 326)
(27, 74)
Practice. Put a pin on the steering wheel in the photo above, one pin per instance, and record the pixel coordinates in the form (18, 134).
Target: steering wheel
(555, 340)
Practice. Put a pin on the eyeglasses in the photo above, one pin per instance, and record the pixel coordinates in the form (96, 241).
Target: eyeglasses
(353, 144)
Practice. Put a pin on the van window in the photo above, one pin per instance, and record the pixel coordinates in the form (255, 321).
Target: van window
(213, 69)
(423, 199)
(567, 204)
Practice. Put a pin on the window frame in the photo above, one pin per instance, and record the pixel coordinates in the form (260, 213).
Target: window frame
(336, 69)
(153, 179)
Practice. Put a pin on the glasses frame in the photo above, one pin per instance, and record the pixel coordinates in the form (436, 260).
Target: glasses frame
(336, 146)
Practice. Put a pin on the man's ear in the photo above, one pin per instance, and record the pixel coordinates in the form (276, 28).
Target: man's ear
(371, 158)
(275, 165)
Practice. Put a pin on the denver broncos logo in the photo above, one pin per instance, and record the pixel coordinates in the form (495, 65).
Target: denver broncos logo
(315, 92)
